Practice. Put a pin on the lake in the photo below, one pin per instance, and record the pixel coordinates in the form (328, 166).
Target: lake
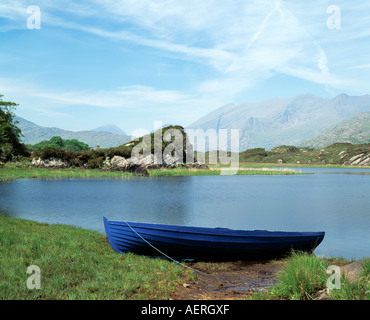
(336, 201)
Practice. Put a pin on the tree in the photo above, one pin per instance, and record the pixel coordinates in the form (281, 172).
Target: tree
(75, 145)
(10, 134)
(57, 142)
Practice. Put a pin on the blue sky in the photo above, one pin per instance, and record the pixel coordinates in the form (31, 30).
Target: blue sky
(133, 62)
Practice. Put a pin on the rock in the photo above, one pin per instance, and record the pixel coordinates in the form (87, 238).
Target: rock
(141, 171)
(350, 271)
(353, 159)
(137, 165)
(359, 160)
(197, 165)
(353, 270)
(322, 295)
(172, 161)
(54, 163)
(342, 154)
(118, 162)
(365, 162)
(37, 162)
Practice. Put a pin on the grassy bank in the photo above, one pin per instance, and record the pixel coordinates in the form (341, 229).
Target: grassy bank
(80, 264)
(77, 264)
(10, 172)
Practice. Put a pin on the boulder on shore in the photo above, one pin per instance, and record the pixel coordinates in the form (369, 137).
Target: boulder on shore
(137, 165)
(53, 163)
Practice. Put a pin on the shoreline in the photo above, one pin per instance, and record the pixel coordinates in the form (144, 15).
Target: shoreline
(92, 270)
(11, 171)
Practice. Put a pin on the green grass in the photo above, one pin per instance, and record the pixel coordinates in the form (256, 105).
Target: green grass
(304, 275)
(215, 172)
(77, 264)
(357, 290)
(10, 172)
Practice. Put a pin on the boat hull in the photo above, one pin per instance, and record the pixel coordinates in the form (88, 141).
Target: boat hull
(206, 243)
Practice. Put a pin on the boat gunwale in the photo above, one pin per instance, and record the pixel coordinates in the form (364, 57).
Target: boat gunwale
(214, 231)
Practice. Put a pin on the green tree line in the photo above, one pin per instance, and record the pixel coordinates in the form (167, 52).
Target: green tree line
(58, 143)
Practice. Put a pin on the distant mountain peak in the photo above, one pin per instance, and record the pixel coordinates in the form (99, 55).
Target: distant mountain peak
(110, 128)
(33, 133)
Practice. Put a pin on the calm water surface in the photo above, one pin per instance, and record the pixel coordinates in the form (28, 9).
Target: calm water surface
(336, 201)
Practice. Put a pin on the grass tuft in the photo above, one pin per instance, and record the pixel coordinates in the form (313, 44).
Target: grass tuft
(302, 276)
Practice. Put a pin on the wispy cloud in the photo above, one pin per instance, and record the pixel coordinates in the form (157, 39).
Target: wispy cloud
(237, 44)
(363, 66)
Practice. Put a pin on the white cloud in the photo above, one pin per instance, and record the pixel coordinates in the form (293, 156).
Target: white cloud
(322, 61)
(244, 43)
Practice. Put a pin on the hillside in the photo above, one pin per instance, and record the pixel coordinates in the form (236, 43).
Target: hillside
(335, 154)
(355, 129)
(283, 121)
(33, 133)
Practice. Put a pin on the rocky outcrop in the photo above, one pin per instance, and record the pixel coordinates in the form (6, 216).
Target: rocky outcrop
(137, 165)
(362, 159)
(142, 164)
(352, 270)
(53, 163)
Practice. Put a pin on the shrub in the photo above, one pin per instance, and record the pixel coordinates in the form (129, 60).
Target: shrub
(120, 151)
(95, 163)
(49, 152)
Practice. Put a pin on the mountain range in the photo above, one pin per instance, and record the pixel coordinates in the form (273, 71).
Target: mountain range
(105, 137)
(304, 120)
(283, 121)
(355, 130)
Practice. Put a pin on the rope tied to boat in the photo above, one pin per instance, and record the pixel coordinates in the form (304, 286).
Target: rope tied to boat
(165, 255)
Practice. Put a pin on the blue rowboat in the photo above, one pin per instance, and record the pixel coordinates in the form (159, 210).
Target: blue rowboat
(206, 243)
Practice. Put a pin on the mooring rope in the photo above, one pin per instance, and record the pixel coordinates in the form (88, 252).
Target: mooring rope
(162, 253)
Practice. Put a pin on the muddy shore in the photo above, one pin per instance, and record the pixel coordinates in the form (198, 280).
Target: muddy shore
(229, 280)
